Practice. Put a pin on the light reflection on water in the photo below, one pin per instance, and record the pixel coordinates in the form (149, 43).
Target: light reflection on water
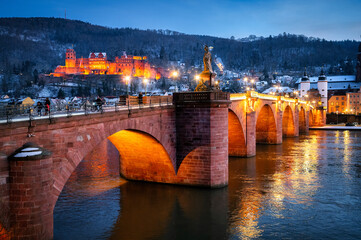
(306, 188)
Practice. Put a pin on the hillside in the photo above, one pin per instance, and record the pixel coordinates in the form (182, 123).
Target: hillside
(43, 41)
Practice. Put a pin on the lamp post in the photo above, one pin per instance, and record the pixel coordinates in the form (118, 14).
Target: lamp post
(127, 80)
(252, 82)
(197, 78)
(245, 82)
(145, 81)
(175, 75)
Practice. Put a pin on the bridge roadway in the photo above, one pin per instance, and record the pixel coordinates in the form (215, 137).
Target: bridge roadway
(185, 143)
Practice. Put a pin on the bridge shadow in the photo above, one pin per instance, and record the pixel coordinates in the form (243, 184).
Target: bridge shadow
(158, 211)
(95, 203)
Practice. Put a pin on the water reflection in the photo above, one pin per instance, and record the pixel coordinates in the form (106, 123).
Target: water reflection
(158, 211)
(306, 188)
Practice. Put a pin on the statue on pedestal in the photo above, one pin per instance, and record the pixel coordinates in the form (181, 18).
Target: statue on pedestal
(207, 77)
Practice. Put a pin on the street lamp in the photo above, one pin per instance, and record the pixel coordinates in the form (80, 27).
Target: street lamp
(145, 81)
(175, 75)
(127, 80)
(252, 81)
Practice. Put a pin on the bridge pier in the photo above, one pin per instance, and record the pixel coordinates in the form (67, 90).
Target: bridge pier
(279, 129)
(202, 137)
(31, 185)
(251, 134)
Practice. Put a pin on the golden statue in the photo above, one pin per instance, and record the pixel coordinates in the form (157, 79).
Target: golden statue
(206, 77)
(207, 60)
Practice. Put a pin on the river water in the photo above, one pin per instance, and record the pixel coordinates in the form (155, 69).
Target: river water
(307, 188)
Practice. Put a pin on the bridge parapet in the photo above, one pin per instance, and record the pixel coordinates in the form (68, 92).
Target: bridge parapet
(262, 96)
(200, 97)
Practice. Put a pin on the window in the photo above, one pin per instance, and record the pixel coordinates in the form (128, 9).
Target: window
(336, 98)
(343, 98)
(343, 103)
(331, 103)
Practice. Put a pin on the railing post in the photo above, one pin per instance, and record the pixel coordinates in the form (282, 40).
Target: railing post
(128, 101)
(86, 109)
(30, 115)
(68, 111)
(8, 114)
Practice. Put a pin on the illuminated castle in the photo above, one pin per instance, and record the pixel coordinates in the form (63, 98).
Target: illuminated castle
(97, 64)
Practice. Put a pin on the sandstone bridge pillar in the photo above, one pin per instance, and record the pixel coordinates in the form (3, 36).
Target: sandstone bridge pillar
(202, 136)
(31, 182)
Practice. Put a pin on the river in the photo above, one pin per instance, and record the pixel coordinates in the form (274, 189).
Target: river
(306, 188)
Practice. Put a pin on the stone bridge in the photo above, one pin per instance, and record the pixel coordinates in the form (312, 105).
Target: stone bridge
(185, 143)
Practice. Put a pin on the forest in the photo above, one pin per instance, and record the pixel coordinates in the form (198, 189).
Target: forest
(40, 43)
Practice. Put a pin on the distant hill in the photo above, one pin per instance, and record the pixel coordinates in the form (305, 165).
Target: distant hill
(43, 41)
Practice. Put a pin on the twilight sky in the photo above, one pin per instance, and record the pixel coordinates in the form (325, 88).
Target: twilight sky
(329, 19)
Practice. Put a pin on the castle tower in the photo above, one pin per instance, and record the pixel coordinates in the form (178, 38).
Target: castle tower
(70, 58)
(322, 88)
(358, 66)
(305, 85)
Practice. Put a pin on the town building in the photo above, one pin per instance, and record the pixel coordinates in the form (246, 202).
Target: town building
(316, 93)
(337, 104)
(98, 64)
(353, 102)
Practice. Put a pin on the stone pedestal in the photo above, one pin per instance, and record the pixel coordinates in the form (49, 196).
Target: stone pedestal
(31, 181)
(206, 82)
(202, 136)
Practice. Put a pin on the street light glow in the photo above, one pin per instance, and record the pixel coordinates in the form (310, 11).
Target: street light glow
(197, 77)
(145, 80)
(175, 73)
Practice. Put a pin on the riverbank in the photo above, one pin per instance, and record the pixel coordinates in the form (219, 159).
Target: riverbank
(333, 127)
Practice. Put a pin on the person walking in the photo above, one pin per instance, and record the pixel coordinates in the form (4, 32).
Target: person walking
(39, 107)
(47, 106)
(140, 98)
(99, 103)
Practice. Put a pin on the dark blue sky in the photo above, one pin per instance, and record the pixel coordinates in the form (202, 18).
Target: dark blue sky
(329, 19)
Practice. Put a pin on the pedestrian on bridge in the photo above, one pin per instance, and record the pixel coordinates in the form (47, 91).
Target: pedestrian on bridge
(39, 107)
(47, 106)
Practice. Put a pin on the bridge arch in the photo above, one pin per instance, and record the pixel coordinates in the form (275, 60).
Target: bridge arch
(131, 134)
(302, 120)
(266, 128)
(288, 125)
(236, 137)
(142, 157)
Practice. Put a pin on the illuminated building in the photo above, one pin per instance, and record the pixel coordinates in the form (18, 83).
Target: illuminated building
(98, 64)
(337, 104)
(353, 102)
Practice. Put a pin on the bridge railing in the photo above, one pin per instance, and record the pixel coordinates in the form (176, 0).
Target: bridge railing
(16, 113)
